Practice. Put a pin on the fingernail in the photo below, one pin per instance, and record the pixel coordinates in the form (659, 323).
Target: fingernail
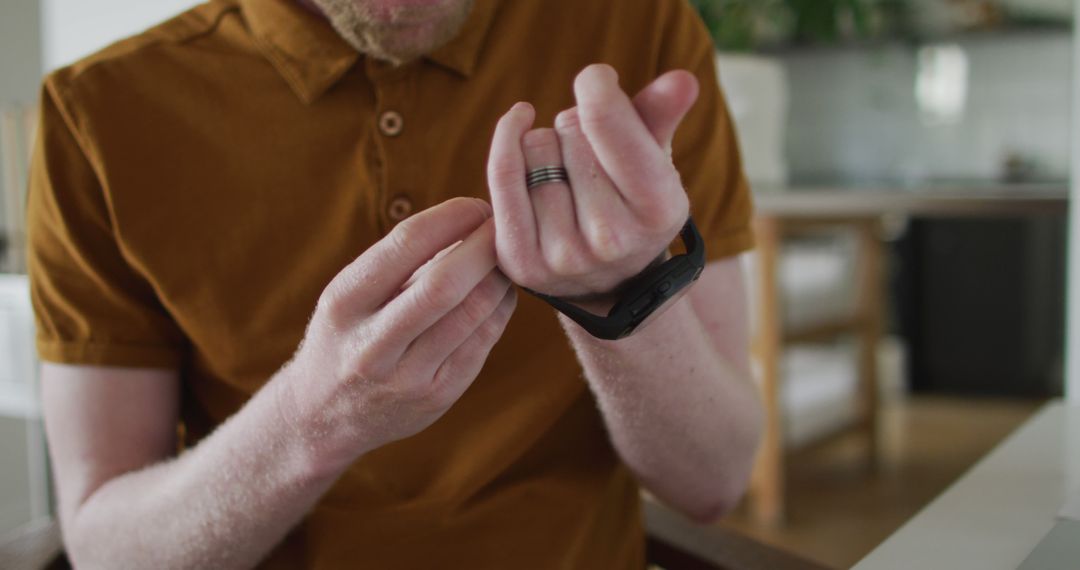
(604, 71)
(597, 80)
(566, 119)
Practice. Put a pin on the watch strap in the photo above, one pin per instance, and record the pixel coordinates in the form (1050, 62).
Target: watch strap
(643, 294)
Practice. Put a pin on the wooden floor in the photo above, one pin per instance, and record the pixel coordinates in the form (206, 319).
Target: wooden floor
(840, 509)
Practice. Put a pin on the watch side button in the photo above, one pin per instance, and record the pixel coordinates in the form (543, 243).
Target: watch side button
(640, 305)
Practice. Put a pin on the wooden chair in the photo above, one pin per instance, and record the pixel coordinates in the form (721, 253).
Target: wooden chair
(767, 493)
(17, 126)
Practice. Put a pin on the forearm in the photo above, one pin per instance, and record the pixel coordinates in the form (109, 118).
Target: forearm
(682, 417)
(381, 360)
(224, 504)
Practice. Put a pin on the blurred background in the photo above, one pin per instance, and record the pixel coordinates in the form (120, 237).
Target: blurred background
(911, 163)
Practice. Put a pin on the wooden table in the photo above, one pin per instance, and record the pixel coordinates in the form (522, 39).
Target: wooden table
(814, 203)
(997, 513)
(17, 127)
(782, 214)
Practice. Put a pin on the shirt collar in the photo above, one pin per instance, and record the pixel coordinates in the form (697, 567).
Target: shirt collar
(462, 53)
(312, 57)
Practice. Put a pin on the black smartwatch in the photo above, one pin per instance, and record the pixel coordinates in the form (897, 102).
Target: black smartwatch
(643, 297)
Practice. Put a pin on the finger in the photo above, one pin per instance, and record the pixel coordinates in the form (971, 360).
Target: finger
(560, 241)
(456, 374)
(601, 211)
(438, 291)
(380, 272)
(629, 153)
(515, 224)
(436, 344)
(665, 102)
(428, 265)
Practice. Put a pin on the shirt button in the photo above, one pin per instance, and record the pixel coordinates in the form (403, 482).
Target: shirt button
(400, 207)
(391, 123)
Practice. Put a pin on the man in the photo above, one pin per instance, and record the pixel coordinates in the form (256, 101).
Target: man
(238, 182)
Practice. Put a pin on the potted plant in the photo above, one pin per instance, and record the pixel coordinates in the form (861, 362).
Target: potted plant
(755, 83)
(750, 25)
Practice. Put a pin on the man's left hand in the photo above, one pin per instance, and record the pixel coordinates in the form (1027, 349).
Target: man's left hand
(624, 203)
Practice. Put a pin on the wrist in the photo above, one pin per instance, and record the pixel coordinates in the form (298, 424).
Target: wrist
(646, 296)
(311, 439)
(602, 302)
(667, 327)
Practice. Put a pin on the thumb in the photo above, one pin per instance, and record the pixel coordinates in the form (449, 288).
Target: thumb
(664, 102)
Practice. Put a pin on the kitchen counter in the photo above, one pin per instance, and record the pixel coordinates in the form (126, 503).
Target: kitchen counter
(945, 200)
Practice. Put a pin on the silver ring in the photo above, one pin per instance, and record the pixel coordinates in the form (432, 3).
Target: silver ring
(546, 175)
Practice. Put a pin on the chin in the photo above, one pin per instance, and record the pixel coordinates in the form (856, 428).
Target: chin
(412, 12)
(397, 30)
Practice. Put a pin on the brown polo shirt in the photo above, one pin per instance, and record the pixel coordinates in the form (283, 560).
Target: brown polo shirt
(195, 187)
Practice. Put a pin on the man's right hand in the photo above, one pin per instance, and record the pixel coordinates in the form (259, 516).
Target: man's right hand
(388, 351)
(396, 340)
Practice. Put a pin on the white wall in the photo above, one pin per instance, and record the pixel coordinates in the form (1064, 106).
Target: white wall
(76, 28)
(1072, 376)
(20, 58)
(20, 74)
(854, 113)
(943, 17)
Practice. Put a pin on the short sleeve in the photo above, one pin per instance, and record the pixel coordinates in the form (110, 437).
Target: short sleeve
(91, 306)
(706, 149)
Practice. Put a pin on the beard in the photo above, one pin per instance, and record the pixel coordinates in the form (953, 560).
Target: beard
(396, 34)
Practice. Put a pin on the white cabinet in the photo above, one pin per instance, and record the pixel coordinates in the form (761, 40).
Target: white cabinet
(73, 29)
(24, 490)
(18, 362)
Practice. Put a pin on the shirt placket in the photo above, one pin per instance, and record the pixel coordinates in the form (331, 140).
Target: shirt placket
(397, 141)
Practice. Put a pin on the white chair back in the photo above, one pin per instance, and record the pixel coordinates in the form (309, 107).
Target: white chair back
(24, 478)
(17, 126)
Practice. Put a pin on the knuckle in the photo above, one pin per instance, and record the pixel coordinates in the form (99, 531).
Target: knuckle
(525, 275)
(655, 221)
(599, 116)
(440, 394)
(328, 303)
(607, 244)
(679, 212)
(489, 332)
(405, 236)
(539, 140)
(364, 368)
(475, 308)
(671, 214)
(568, 121)
(511, 303)
(507, 255)
(439, 291)
(494, 288)
(444, 375)
(514, 247)
(332, 304)
(564, 259)
(450, 379)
